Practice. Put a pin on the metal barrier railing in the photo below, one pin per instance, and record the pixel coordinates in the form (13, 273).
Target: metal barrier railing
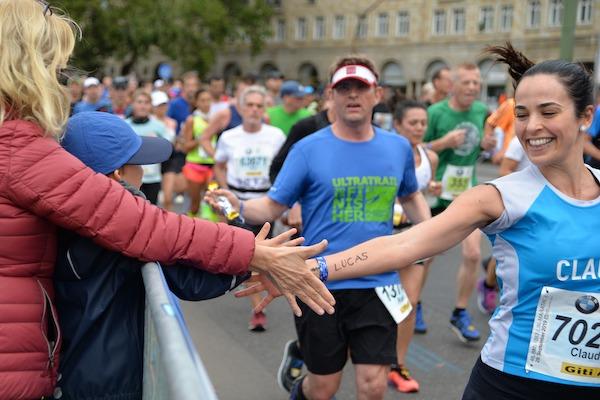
(172, 366)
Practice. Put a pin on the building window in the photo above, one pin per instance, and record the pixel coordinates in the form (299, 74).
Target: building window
(458, 20)
(319, 28)
(301, 28)
(506, 17)
(280, 30)
(439, 22)
(486, 19)
(534, 14)
(339, 27)
(402, 23)
(383, 24)
(584, 12)
(362, 27)
(555, 13)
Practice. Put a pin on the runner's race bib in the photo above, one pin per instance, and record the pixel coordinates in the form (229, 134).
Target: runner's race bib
(565, 340)
(396, 301)
(456, 180)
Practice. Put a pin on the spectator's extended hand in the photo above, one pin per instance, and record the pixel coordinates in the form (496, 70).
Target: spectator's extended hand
(283, 239)
(285, 267)
(259, 282)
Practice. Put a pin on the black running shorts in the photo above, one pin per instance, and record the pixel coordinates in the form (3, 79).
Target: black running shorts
(487, 383)
(361, 324)
(174, 164)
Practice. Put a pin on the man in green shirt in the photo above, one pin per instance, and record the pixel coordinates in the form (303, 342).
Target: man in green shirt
(291, 110)
(455, 132)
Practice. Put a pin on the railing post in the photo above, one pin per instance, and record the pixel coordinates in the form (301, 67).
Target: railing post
(172, 367)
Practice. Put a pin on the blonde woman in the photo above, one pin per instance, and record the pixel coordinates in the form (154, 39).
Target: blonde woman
(43, 187)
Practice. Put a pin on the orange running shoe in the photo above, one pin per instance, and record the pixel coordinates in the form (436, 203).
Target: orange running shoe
(258, 322)
(399, 377)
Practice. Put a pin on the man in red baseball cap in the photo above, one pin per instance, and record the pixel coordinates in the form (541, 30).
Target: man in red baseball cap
(345, 201)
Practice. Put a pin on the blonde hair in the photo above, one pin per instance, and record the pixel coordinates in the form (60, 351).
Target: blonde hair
(34, 48)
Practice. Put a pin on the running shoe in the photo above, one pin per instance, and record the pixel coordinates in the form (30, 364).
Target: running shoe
(420, 325)
(399, 377)
(295, 389)
(463, 327)
(291, 365)
(258, 322)
(486, 297)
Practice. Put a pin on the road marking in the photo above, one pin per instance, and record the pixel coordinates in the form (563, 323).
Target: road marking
(427, 360)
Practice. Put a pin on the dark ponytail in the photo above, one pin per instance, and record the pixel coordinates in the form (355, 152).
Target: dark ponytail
(517, 63)
(574, 77)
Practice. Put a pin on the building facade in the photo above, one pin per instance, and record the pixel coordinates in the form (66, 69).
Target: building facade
(410, 39)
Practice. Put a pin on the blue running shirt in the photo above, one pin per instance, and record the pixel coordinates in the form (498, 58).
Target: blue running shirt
(547, 324)
(347, 191)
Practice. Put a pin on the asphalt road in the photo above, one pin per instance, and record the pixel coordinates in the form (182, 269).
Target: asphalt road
(243, 364)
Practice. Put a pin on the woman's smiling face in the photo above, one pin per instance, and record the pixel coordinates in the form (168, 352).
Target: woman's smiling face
(546, 122)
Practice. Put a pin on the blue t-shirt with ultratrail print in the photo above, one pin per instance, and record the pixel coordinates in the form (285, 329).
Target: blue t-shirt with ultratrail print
(347, 191)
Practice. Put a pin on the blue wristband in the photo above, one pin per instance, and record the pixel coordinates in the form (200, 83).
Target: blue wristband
(323, 270)
(242, 211)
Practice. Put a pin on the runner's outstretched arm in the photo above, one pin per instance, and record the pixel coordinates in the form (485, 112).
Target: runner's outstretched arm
(255, 211)
(473, 209)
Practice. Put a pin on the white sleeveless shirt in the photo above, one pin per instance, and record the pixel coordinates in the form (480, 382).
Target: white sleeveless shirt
(423, 171)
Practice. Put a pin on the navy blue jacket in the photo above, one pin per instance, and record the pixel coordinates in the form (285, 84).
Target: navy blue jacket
(100, 300)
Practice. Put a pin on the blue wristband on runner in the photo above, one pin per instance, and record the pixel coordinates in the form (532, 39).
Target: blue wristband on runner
(242, 219)
(323, 270)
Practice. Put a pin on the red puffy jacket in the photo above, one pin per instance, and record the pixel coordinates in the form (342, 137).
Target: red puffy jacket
(42, 187)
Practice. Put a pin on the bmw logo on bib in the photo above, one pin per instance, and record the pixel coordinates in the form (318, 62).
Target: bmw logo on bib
(587, 304)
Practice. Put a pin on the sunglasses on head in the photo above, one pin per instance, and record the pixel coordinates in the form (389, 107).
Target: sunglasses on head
(46, 5)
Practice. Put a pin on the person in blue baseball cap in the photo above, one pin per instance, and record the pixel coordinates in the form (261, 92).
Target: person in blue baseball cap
(99, 292)
(291, 109)
(109, 146)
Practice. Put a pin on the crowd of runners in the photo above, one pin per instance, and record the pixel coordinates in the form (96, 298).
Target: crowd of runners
(339, 161)
(543, 328)
(250, 136)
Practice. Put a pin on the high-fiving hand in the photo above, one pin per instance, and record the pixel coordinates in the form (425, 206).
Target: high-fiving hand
(283, 271)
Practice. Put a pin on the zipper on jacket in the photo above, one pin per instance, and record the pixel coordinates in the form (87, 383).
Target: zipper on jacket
(52, 324)
(72, 265)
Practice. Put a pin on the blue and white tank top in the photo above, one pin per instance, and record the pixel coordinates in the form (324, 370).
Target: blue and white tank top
(547, 247)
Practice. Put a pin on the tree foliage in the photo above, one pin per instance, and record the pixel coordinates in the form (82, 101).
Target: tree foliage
(188, 31)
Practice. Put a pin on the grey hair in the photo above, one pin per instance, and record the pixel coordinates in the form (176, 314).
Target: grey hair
(250, 90)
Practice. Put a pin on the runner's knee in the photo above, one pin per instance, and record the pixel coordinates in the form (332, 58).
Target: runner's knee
(321, 387)
(471, 254)
(372, 383)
